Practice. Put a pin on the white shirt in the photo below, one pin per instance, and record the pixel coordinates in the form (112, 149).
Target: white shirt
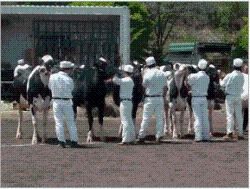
(233, 83)
(199, 83)
(154, 81)
(126, 86)
(61, 85)
(23, 67)
(244, 94)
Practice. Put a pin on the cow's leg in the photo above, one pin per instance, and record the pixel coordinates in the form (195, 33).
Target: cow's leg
(210, 114)
(120, 131)
(74, 110)
(34, 123)
(181, 121)
(45, 117)
(20, 120)
(173, 121)
(102, 130)
(134, 111)
(90, 120)
(170, 128)
(166, 109)
(190, 120)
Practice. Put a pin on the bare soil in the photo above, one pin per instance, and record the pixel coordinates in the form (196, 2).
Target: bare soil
(181, 163)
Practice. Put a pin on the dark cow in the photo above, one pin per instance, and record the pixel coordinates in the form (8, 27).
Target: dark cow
(90, 91)
(31, 90)
(137, 94)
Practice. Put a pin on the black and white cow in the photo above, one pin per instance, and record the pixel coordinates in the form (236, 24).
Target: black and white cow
(176, 98)
(179, 95)
(90, 91)
(31, 90)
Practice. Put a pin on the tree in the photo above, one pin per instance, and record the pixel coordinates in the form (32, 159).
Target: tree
(241, 41)
(167, 16)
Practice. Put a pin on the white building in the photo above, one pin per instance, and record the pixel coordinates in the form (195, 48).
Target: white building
(79, 34)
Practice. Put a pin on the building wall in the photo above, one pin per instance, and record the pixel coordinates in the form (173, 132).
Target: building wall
(16, 40)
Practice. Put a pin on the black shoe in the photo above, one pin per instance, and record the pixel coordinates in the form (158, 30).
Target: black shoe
(140, 141)
(158, 140)
(241, 138)
(74, 144)
(228, 136)
(62, 144)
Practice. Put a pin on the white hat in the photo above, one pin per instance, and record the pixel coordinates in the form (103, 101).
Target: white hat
(21, 61)
(46, 58)
(102, 59)
(238, 62)
(65, 64)
(202, 64)
(128, 68)
(150, 60)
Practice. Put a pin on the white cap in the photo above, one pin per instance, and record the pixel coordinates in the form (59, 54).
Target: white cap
(238, 62)
(202, 64)
(150, 60)
(102, 59)
(65, 64)
(46, 58)
(21, 61)
(128, 68)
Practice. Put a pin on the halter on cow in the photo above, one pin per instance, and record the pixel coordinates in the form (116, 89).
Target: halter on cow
(31, 90)
(90, 91)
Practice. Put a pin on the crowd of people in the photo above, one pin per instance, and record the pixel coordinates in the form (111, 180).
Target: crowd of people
(155, 85)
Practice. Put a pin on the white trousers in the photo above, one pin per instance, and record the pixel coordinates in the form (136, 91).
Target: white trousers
(63, 109)
(201, 123)
(234, 106)
(152, 105)
(128, 132)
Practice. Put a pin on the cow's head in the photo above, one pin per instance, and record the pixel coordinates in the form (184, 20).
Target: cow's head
(106, 69)
(46, 64)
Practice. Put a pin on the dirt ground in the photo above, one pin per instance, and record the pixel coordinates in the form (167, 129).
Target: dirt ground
(181, 163)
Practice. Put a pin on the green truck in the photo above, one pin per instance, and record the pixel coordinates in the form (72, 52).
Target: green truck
(218, 54)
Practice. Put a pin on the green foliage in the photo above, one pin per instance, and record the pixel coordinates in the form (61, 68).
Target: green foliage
(92, 3)
(241, 40)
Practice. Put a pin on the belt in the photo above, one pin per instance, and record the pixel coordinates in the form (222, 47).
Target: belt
(153, 95)
(128, 99)
(199, 96)
(57, 98)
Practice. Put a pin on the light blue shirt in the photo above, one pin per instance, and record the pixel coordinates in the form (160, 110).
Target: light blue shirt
(61, 85)
(126, 86)
(154, 81)
(199, 83)
(233, 83)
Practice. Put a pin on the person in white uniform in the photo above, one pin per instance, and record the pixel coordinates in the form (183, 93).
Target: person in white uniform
(155, 84)
(244, 96)
(233, 83)
(21, 65)
(199, 85)
(126, 89)
(61, 86)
